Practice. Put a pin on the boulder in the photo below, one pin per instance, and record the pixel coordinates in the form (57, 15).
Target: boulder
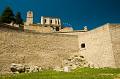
(76, 61)
(67, 69)
(17, 68)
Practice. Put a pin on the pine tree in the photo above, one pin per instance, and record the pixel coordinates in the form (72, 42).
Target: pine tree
(0, 19)
(7, 15)
(18, 19)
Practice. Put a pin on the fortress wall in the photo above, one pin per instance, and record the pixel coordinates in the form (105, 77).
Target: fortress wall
(98, 47)
(46, 50)
(38, 28)
(115, 35)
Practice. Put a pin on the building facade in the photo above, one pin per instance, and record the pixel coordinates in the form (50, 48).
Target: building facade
(46, 25)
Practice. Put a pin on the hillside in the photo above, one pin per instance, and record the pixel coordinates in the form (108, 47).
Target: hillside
(45, 50)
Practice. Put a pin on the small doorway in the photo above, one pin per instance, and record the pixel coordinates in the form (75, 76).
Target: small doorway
(57, 28)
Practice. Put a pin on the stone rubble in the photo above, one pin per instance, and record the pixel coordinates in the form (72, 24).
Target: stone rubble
(20, 68)
(76, 61)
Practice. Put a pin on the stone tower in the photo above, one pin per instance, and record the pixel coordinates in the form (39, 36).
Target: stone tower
(29, 19)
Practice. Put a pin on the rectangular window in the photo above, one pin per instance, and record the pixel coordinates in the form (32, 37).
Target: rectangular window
(45, 20)
(51, 21)
(83, 45)
(58, 22)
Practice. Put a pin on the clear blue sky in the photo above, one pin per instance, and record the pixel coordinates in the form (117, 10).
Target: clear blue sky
(78, 13)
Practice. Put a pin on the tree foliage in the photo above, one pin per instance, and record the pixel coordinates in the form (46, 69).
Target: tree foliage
(0, 19)
(7, 15)
(18, 19)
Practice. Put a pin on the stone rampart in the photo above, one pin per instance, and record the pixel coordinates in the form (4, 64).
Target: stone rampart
(42, 49)
(115, 39)
(98, 47)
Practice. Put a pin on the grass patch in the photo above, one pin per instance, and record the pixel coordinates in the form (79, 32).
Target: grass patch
(80, 73)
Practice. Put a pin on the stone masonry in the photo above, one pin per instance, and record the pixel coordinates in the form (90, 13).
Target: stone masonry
(45, 50)
(100, 47)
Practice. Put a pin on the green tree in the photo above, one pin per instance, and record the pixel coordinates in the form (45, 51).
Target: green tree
(7, 15)
(0, 19)
(18, 19)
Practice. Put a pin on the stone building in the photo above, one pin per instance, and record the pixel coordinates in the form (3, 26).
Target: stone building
(47, 25)
(54, 23)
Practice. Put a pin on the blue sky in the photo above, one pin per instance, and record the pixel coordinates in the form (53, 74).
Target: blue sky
(77, 13)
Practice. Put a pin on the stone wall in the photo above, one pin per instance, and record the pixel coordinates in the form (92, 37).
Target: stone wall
(38, 28)
(102, 45)
(45, 50)
(67, 29)
(115, 36)
(98, 47)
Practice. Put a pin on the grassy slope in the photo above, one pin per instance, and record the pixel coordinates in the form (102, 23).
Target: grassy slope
(83, 73)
